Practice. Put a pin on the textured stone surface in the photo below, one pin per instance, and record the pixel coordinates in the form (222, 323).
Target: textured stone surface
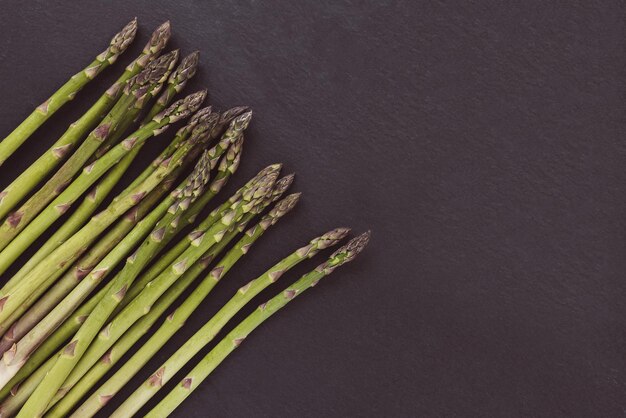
(482, 142)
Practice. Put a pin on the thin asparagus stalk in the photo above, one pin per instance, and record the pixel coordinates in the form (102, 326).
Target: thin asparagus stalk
(227, 167)
(171, 325)
(206, 334)
(234, 339)
(74, 351)
(178, 201)
(65, 93)
(142, 85)
(176, 82)
(34, 174)
(10, 298)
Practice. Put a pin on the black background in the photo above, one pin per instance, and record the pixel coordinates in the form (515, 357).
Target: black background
(483, 144)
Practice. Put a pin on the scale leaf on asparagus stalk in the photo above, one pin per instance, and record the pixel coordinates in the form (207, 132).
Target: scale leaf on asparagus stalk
(234, 338)
(65, 93)
(27, 180)
(12, 297)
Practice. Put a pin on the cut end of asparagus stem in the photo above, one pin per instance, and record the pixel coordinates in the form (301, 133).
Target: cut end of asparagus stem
(122, 40)
(159, 39)
(346, 253)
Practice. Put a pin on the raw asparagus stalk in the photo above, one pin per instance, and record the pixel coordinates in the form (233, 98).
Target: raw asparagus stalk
(65, 93)
(206, 334)
(34, 174)
(10, 298)
(138, 88)
(227, 167)
(171, 325)
(234, 339)
(74, 351)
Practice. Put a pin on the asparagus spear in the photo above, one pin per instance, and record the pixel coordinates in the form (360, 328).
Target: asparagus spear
(34, 174)
(73, 352)
(234, 339)
(227, 167)
(171, 325)
(12, 297)
(206, 334)
(142, 85)
(65, 93)
(176, 82)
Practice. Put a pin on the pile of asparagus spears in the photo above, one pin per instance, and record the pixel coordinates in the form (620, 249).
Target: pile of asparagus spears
(113, 268)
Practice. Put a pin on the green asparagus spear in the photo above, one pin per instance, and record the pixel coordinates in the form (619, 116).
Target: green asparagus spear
(117, 46)
(234, 339)
(206, 334)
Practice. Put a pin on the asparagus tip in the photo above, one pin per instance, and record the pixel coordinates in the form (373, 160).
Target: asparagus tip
(349, 251)
(123, 38)
(159, 38)
(232, 113)
(187, 68)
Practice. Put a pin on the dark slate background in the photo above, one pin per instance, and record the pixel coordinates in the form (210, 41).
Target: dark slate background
(482, 142)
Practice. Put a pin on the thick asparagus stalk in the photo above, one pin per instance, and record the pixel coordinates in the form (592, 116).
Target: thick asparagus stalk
(206, 334)
(171, 325)
(227, 167)
(234, 339)
(34, 174)
(137, 91)
(65, 93)
(73, 352)
(10, 298)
